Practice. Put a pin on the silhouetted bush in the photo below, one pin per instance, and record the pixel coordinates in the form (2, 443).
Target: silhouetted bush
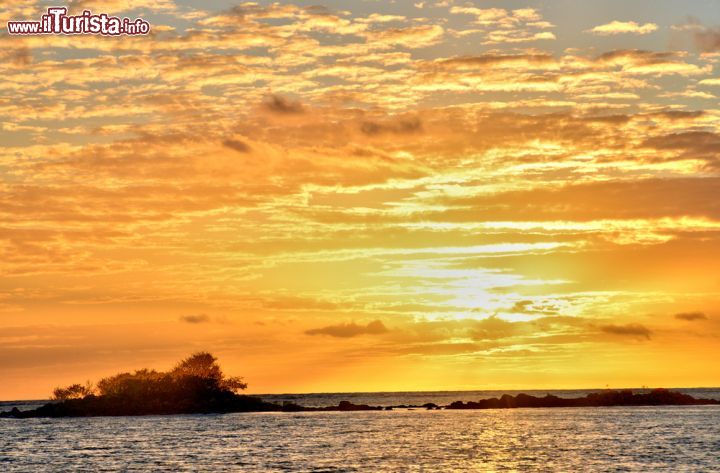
(195, 385)
(74, 391)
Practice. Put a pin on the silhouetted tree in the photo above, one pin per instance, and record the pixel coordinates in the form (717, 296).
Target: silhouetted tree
(204, 365)
(74, 391)
(234, 384)
(201, 364)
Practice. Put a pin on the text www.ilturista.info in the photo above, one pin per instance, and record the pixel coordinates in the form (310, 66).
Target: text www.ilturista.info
(57, 21)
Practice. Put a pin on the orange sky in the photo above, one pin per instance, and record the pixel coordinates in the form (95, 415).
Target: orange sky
(365, 196)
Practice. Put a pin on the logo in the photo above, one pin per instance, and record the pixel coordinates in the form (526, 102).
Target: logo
(57, 22)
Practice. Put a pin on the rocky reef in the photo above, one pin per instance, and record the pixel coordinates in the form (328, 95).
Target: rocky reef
(656, 397)
(92, 406)
(226, 402)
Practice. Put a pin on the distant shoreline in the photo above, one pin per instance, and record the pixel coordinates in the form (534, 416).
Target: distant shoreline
(92, 406)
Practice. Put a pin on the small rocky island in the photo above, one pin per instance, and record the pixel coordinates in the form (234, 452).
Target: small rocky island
(197, 385)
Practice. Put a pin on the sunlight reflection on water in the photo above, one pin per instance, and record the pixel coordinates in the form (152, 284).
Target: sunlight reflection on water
(594, 439)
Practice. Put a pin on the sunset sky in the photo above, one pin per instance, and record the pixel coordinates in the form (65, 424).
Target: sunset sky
(364, 195)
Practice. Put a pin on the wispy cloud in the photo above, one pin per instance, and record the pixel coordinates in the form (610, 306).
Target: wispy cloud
(624, 27)
(632, 330)
(349, 330)
(195, 318)
(691, 316)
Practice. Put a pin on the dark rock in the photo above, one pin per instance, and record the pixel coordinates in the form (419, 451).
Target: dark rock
(656, 397)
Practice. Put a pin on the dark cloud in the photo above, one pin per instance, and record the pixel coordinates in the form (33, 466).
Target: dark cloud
(493, 60)
(692, 144)
(646, 198)
(195, 319)
(18, 56)
(402, 126)
(676, 115)
(282, 105)
(691, 316)
(237, 145)
(633, 330)
(494, 328)
(708, 40)
(616, 119)
(530, 307)
(318, 10)
(375, 327)
(639, 57)
(698, 141)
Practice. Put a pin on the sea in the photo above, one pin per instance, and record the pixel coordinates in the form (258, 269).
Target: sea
(598, 439)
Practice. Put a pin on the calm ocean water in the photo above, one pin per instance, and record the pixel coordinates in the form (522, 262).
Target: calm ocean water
(643, 439)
